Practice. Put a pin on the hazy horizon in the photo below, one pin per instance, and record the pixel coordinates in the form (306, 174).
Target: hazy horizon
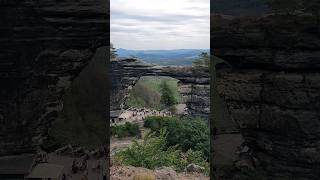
(158, 25)
(164, 49)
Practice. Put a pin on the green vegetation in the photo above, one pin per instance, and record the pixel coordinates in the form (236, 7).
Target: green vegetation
(148, 91)
(167, 97)
(186, 134)
(82, 120)
(125, 130)
(153, 152)
(203, 61)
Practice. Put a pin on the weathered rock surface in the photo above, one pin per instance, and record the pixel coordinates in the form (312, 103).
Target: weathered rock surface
(164, 173)
(194, 168)
(272, 90)
(43, 47)
(193, 86)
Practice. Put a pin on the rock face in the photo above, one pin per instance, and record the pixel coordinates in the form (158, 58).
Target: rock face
(193, 86)
(272, 90)
(45, 44)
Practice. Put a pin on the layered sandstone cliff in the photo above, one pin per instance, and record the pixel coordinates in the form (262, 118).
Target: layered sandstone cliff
(43, 47)
(272, 90)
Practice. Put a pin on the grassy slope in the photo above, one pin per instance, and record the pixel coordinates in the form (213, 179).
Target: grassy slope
(150, 95)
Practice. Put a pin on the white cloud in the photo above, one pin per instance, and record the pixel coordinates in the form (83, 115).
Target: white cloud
(159, 24)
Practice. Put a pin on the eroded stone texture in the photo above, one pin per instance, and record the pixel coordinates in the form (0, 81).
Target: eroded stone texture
(272, 90)
(43, 47)
(193, 85)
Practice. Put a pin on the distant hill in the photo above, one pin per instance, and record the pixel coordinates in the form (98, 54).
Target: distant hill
(182, 57)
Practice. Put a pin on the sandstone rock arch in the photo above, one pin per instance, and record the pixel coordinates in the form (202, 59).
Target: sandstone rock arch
(193, 86)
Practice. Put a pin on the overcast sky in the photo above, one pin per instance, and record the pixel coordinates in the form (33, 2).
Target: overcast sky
(160, 24)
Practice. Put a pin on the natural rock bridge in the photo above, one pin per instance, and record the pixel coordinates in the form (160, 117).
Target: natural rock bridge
(194, 86)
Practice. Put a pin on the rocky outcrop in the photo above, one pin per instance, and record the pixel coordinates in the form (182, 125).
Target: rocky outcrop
(272, 90)
(44, 46)
(193, 85)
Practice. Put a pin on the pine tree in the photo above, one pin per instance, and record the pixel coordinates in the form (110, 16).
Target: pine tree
(202, 62)
(167, 97)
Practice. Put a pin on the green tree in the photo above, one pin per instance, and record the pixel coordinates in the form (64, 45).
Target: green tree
(202, 62)
(113, 52)
(167, 96)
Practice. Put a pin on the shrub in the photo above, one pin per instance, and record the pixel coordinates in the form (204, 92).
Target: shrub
(156, 122)
(150, 153)
(153, 152)
(125, 130)
(187, 133)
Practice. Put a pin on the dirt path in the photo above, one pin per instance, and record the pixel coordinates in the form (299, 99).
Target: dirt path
(117, 144)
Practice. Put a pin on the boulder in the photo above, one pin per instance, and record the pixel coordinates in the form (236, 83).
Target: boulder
(194, 168)
(165, 173)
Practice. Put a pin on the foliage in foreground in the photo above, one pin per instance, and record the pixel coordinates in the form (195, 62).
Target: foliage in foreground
(125, 130)
(153, 152)
(184, 133)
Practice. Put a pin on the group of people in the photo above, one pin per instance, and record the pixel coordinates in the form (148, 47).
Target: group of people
(136, 114)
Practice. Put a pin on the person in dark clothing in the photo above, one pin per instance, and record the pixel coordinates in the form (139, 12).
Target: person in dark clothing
(214, 132)
(74, 168)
